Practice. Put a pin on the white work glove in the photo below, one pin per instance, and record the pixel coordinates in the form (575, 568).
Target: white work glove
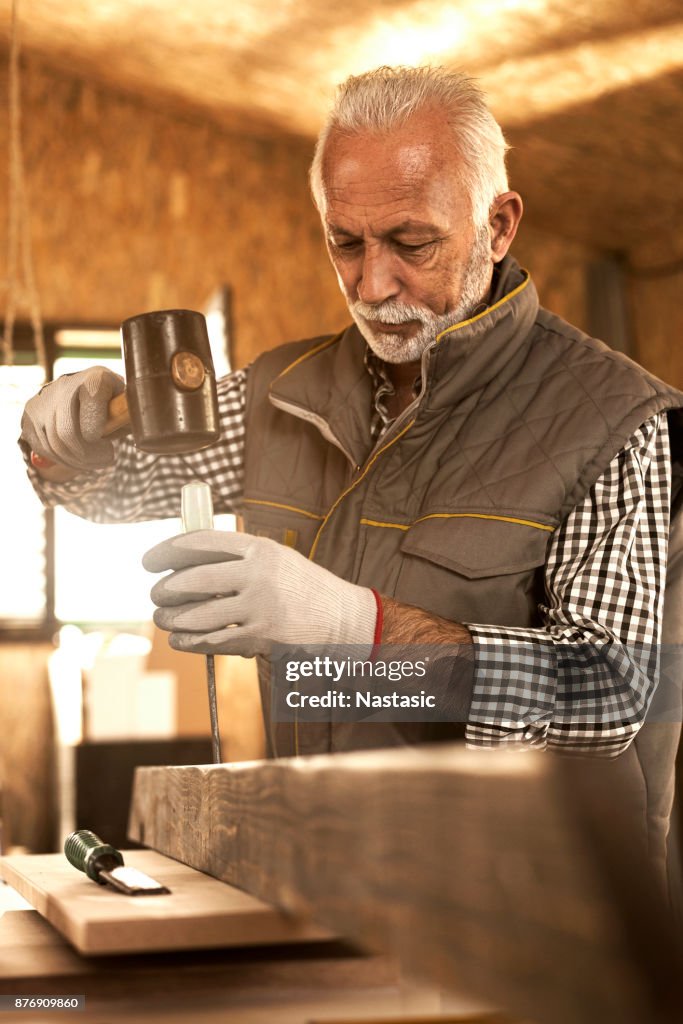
(233, 593)
(65, 420)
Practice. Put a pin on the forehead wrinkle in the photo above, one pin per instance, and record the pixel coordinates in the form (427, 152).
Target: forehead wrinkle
(419, 197)
(403, 213)
(404, 226)
(410, 153)
(377, 190)
(373, 224)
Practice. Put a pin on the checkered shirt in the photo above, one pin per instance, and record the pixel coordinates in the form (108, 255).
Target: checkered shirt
(580, 682)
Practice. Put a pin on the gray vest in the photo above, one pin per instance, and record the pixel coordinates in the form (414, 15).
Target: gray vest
(453, 509)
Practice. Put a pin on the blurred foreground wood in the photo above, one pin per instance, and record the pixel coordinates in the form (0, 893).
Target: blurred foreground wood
(514, 876)
(27, 783)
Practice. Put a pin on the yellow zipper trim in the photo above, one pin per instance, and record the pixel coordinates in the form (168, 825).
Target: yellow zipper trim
(459, 515)
(355, 483)
(287, 508)
(490, 309)
(448, 330)
(485, 312)
(455, 327)
(307, 355)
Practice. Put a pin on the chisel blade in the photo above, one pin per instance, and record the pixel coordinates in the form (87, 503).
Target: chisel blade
(132, 882)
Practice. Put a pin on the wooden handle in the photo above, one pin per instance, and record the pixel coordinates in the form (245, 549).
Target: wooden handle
(117, 417)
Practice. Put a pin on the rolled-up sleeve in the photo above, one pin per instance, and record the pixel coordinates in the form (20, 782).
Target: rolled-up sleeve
(141, 485)
(583, 681)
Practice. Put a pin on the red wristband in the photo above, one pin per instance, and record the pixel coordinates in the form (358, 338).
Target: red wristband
(40, 461)
(379, 621)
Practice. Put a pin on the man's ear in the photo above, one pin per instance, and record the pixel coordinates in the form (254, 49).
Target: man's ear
(506, 213)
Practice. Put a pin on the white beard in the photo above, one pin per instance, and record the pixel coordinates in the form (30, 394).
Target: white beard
(392, 348)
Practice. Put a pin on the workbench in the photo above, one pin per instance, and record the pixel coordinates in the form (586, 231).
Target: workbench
(511, 880)
(207, 953)
(521, 877)
(298, 984)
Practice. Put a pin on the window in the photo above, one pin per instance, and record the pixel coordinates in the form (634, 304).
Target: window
(98, 571)
(57, 567)
(22, 520)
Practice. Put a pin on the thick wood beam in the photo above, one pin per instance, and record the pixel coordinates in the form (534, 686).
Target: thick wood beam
(514, 876)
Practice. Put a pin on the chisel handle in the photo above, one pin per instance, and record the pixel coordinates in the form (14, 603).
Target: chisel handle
(86, 851)
(196, 507)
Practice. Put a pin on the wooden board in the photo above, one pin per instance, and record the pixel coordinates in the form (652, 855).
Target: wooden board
(284, 984)
(511, 876)
(199, 913)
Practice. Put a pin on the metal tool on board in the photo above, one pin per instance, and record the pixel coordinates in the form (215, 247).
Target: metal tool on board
(197, 514)
(104, 864)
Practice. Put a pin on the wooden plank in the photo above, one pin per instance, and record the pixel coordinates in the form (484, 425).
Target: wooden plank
(483, 871)
(286, 984)
(199, 913)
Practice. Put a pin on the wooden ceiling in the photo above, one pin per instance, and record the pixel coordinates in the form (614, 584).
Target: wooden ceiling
(590, 92)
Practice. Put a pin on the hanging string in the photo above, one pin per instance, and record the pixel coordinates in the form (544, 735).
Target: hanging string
(20, 284)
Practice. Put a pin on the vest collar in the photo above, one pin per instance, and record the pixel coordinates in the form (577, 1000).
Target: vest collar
(331, 387)
(466, 357)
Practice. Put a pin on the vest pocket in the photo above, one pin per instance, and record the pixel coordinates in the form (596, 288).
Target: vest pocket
(479, 544)
(283, 525)
(475, 567)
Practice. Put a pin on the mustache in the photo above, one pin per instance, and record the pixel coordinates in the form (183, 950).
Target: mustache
(389, 312)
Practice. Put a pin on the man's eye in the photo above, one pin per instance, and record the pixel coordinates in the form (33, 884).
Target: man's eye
(414, 247)
(346, 244)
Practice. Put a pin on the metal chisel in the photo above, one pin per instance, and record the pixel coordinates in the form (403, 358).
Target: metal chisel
(104, 864)
(197, 514)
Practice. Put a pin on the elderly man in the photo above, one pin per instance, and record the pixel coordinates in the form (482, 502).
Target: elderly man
(457, 467)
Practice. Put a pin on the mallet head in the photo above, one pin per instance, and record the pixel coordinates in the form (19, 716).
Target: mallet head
(170, 381)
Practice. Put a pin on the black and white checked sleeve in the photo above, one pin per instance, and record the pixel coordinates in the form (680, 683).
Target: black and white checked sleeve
(584, 680)
(141, 485)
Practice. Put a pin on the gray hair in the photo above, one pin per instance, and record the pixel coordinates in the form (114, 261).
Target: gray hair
(387, 97)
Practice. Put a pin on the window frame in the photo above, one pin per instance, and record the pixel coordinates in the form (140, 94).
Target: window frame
(25, 354)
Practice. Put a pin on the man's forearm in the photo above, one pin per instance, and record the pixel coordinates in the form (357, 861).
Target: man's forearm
(406, 624)
(450, 655)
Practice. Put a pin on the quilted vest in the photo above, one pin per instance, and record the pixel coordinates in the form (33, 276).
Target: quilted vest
(452, 511)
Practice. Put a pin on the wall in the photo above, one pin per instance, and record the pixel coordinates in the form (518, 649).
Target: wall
(558, 269)
(657, 316)
(137, 208)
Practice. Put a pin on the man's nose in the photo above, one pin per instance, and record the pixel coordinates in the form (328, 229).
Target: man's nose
(377, 281)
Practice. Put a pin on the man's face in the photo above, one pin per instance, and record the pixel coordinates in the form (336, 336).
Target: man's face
(400, 235)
